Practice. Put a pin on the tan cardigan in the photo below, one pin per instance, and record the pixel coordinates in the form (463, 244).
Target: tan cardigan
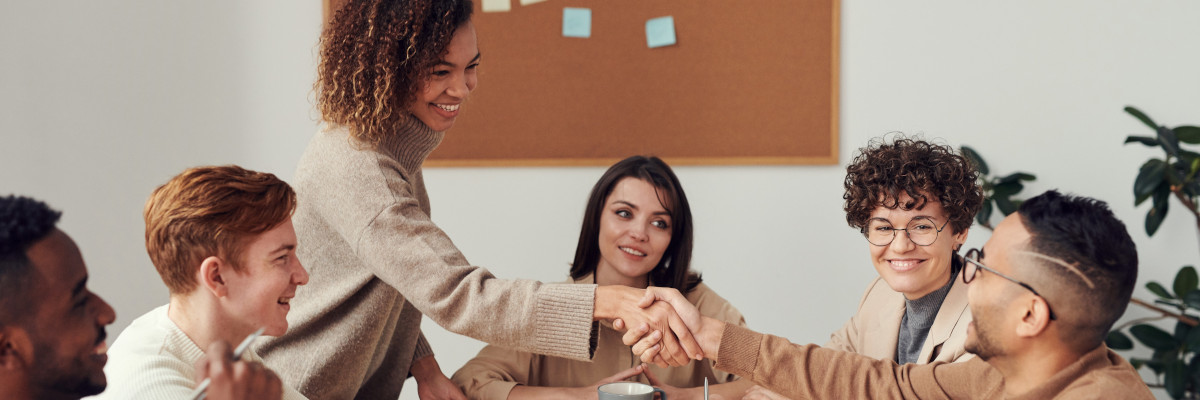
(493, 373)
(377, 263)
(811, 372)
(875, 328)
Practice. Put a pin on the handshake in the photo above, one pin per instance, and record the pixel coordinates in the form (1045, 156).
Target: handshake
(661, 325)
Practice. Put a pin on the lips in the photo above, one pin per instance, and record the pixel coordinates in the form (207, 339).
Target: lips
(632, 251)
(905, 265)
(446, 110)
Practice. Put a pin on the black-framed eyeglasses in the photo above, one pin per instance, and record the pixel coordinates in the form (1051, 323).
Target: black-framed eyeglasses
(973, 266)
(922, 231)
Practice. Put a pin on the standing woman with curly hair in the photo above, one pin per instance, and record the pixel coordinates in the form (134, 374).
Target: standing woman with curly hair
(914, 202)
(393, 77)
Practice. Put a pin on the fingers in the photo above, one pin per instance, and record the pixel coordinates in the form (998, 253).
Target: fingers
(635, 335)
(757, 392)
(683, 333)
(673, 353)
(647, 342)
(684, 308)
(647, 299)
(619, 324)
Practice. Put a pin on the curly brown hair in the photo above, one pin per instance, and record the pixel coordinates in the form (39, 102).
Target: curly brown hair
(375, 54)
(883, 170)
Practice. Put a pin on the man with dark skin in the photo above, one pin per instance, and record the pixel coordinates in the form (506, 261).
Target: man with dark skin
(52, 328)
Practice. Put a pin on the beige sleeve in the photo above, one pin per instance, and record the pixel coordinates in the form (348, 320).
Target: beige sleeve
(493, 373)
(405, 249)
(804, 372)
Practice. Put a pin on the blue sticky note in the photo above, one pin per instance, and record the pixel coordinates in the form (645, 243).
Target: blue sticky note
(660, 32)
(577, 22)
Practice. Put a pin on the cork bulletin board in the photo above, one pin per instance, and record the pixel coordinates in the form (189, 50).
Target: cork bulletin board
(748, 82)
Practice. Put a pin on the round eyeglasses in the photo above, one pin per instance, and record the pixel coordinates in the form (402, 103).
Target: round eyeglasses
(922, 231)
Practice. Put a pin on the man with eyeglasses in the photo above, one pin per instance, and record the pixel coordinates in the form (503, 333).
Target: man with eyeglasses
(1044, 291)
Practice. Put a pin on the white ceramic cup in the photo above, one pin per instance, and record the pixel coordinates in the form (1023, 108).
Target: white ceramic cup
(628, 391)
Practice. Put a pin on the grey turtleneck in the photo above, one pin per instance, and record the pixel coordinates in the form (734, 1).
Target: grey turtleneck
(918, 318)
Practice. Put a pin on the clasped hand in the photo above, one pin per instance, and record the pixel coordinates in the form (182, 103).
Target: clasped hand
(659, 323)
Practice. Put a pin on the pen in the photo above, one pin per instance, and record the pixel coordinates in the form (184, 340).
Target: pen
(706, 388)
(202, 390)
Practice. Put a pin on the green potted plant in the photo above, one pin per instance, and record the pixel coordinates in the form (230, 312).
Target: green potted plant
(1174, 358)
(998, 191)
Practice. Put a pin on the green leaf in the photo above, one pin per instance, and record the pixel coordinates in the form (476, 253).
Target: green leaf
(1140, 199)
(985, 212)
(1181, 331)
(1188, 134)
(1005, 205)
(1158, 289)
(1193, 340)
(1119, 341)
(1152, 173)
(1154, 219)
(1175, 378)
(1168, 141)
(1017, 176)
(1185, 281)
(1192, 299)
(1005, 189)
(1146, 140)
(1141, 117)
(974, 158)
(1158, 212)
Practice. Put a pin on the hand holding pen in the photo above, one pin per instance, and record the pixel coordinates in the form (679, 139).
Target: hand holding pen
(222, 376)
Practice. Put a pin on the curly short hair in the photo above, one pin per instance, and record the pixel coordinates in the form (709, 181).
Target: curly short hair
(23, 222)
(375, 54)
(211, 211)
(883, 170)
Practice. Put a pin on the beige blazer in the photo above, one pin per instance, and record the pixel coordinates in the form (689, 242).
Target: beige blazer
(874, 329)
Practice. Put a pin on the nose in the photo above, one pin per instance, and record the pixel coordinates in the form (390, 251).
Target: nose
(902, 242)
(638, 232)
(460, 88)
(105, 314)
(301, 274)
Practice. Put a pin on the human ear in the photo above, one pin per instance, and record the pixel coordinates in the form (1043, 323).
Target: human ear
(15, 348)
(1036, 318)
(212, 276)
(960, 238)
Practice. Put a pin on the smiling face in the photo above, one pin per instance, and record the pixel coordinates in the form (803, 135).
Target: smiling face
(635, 230)
(450, 81)
(68, 327)
(908, 268)
(260, 295)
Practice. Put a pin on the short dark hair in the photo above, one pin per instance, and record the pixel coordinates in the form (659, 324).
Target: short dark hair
(673, 269)
(1083, 232)
(23, 222)
(883, 170)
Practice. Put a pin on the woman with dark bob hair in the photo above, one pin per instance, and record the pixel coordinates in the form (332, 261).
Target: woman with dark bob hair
(637, 231)
(393, 77)
(914, 202)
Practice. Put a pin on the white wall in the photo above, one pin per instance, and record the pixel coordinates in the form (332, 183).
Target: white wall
(102, 102)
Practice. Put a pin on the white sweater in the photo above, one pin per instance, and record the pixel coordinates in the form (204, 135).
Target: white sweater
(154, 359)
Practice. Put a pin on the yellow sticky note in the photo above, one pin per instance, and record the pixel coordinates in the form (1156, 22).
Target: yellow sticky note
(497, 5)
(528, 2)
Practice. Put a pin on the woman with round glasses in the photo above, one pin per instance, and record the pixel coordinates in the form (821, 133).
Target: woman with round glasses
(914, 202)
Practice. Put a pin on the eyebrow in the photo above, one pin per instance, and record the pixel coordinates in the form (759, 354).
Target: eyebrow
(635, 207)
(79, 287)
(930, 217)
(450, 64)
(285, 247)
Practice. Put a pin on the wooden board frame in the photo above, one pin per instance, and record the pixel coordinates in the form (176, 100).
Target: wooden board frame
(518, 116)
